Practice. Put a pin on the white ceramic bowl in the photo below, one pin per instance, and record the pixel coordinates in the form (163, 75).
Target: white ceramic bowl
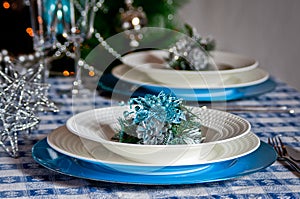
(99, 125)
(242, 79)
(225, 65)
(226, 62)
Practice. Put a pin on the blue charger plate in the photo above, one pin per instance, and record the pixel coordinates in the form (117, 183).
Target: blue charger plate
(53, 160)
(108, 82)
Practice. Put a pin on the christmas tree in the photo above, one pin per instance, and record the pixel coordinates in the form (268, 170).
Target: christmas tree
(159, 13)
(108, 22)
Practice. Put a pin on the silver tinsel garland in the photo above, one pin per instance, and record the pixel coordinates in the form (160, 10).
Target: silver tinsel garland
(22, 96)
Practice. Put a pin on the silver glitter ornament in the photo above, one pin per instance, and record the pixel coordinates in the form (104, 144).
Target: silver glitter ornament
(191, 53)
(195, 57)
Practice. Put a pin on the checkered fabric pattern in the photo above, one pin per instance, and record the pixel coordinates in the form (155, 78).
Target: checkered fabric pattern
(24, 178)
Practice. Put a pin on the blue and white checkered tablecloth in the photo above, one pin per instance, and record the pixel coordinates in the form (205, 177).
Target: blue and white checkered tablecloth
(24, 178)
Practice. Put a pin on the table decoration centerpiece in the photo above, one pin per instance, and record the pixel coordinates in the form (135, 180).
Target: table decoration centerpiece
(159, 120)
(191, 53)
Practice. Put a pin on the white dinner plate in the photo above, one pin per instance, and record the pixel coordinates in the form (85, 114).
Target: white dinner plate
(226, 62)
(101, 124)
(237, 80)
(65, 142)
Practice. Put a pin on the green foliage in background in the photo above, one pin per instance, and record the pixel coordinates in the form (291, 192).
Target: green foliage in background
(160, 13)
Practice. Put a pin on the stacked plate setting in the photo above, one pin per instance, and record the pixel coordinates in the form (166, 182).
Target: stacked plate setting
(232, 77)
(83, 148)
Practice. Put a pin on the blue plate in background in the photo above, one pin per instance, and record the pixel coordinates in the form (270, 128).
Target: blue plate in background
(110, 84)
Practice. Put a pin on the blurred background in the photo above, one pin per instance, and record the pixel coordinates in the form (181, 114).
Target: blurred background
(265, 30)
(15, 31)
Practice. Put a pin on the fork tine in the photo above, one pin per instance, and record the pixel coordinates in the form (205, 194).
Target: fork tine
(278, 147)
(282, 146)
(272, 143)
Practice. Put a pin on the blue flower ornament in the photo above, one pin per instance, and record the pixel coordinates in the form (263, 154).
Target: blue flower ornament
(159, 120)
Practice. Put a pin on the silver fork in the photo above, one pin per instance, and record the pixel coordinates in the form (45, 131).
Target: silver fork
(281, 152)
